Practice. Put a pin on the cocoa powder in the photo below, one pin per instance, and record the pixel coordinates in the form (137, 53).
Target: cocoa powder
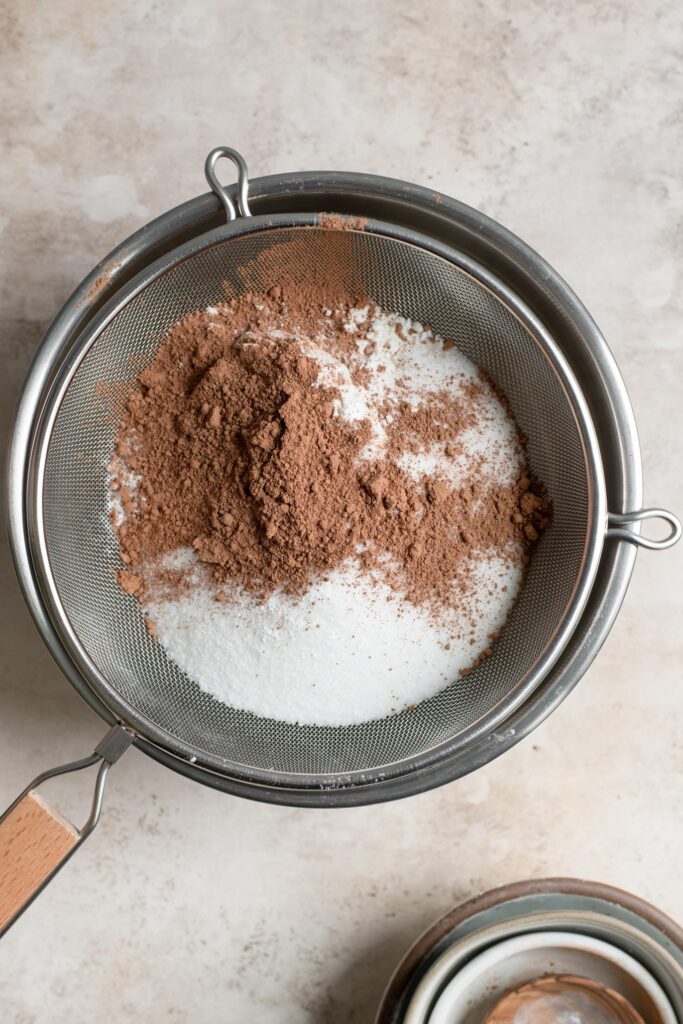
(342, 222)
(239, 455)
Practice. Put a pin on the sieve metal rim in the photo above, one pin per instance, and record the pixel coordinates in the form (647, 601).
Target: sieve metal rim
(171, 744)
(517, 264)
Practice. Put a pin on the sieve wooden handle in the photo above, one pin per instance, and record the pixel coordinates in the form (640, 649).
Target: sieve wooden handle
(34, 842)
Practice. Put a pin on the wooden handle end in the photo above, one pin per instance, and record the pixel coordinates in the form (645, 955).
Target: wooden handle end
(34, 840)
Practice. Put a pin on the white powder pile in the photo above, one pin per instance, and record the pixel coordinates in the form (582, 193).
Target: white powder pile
(347, 652)
(411, 364)
(351, 649)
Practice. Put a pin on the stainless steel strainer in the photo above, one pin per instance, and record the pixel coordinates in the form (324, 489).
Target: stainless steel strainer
(74, 553)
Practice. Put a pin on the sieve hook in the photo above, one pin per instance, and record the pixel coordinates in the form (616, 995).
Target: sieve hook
(242, 181)
(621, 522)
(36, 841)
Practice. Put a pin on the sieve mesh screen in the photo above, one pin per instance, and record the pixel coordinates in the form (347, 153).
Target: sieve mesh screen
(83, 553)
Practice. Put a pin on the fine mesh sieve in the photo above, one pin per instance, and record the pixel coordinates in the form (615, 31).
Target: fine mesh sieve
(67, 556)
(78, 552)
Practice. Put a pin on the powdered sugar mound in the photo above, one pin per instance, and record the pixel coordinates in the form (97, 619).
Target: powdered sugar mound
(493, 447)
(413, 360)
(349, 651)
(406, 362)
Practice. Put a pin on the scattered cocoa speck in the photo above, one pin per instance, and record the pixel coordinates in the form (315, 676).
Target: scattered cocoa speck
(342, 222)
(100, 284)
(129, 582)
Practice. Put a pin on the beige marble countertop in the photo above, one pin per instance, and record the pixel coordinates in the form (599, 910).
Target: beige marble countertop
(565, 123)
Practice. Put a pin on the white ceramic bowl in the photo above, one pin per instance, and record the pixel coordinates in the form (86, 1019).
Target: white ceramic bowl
(475, 989)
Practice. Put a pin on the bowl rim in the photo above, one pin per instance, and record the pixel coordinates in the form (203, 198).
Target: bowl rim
(456, 983)
(663, 931)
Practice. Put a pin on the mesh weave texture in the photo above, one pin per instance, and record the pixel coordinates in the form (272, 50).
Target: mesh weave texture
(83, 552)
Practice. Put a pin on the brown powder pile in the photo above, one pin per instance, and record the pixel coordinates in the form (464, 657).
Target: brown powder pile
(239, 454)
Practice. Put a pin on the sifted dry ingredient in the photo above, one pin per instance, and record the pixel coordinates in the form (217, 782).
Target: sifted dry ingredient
(299, 439)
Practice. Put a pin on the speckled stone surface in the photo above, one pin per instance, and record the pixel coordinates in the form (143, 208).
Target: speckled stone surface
(565, 123)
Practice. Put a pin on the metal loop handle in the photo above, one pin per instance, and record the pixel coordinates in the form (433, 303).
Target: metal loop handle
(622, 520)
(242, 181)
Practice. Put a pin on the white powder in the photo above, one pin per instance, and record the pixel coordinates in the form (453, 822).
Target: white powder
(351, 649)
(119, 474)
(410, 364)
(347, 652)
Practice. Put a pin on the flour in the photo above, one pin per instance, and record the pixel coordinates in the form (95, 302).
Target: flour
(347, 652)
(120, 478)
(408, 362)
